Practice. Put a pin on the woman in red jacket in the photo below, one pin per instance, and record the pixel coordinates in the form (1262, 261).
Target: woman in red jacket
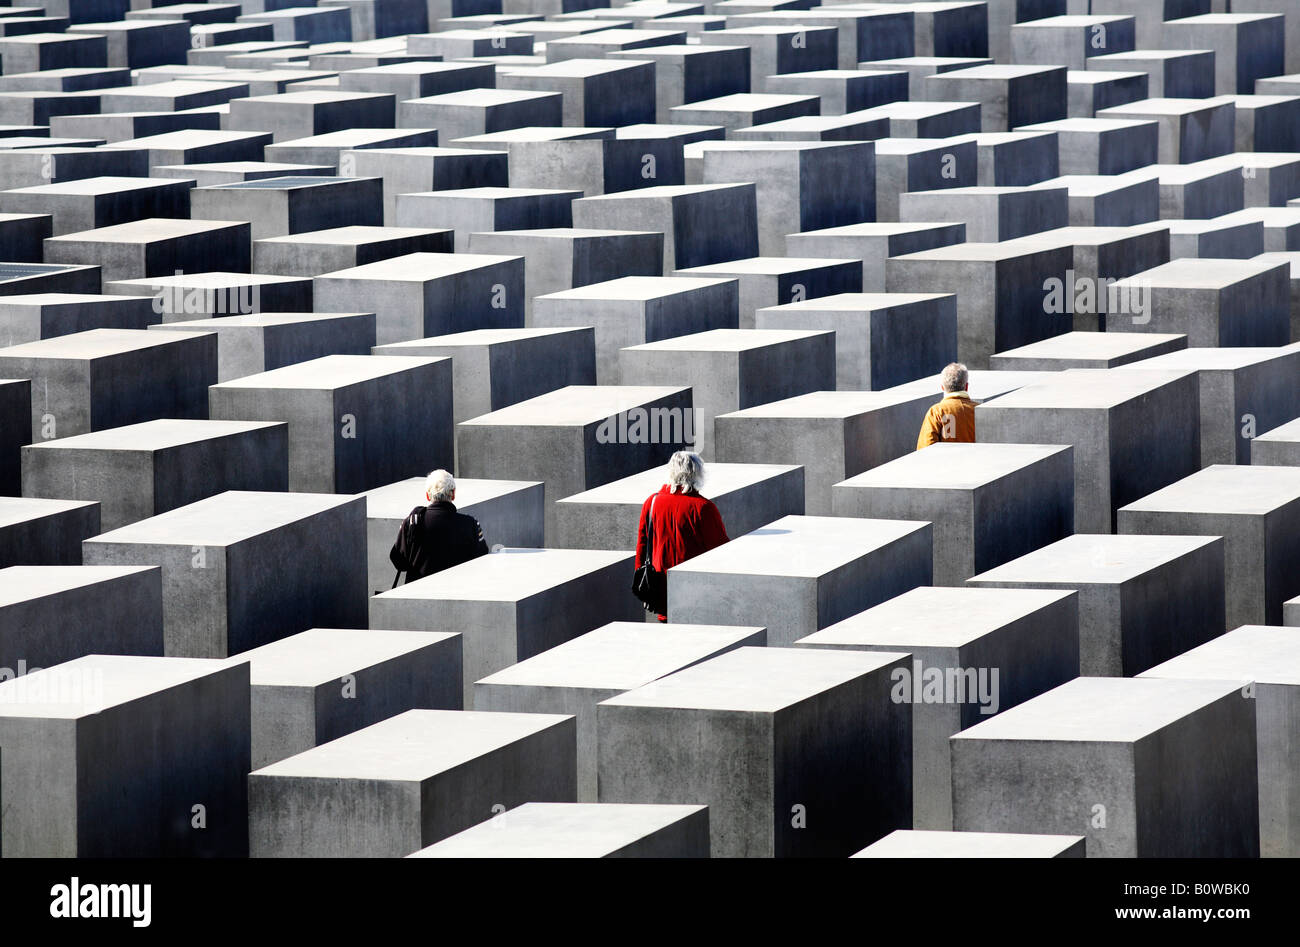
(684, 524)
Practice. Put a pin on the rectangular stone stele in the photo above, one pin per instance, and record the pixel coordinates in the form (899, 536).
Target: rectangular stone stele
(514, 603)
(572, 678)
(404, 783)
(35, 532)
(801, 573)
(582, 830)
(1267, 660)
(796, 752)
(1142, 599)
(233, 570)
(140, 470)
(101, 759)
(324, 683)
(988, 503)
(510, 513)
(747, 496)
(52, 614)
(1256, 509)
(926, 843)
(975, 652)
(1094, 757)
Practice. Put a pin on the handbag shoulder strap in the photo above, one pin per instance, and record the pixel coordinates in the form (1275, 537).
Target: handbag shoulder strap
(649, 532)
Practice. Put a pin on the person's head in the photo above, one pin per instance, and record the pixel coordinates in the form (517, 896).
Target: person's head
(954, 377)
(440, 486)
(685, 472)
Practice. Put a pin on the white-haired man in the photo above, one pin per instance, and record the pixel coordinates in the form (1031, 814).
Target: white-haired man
(952, 420)
(436, 537)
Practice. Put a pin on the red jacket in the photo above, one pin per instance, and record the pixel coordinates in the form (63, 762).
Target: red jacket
(685, 525)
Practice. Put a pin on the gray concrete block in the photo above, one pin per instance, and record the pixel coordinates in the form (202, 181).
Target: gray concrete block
(104, 378)
(324, 683)
(1102, 145)
(28, 318)
(991, 214)
(44, 532)
(486, 209)
(131, 722)
(1087, 350)
(573, 677)
(975, 653)
(355, 421)
(414, 170)
(1279, 447)
(1247, 46)
(801, 573)
(757, 733)
(232, 574)
(495, 368)
(582, 830)
(427, 294)
(1255, 509)
(514, 604)
(155, 247)
(1190, 129)
(53, 614)
(1108, 415)
(988, 503)
(772, 281)
(881, 339)
(481, 111)
(596, 92)
(438, 772)
(1009, 96)
(100, 201)
(1097, 742)
(291, 115)
(1142, 599)
(905, 843)
(316, 252)
(577, 438)
(289, 205)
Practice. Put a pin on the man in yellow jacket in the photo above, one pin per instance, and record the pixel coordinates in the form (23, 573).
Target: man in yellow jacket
(952, 420)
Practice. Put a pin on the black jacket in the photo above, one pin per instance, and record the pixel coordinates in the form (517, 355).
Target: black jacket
(436, 537)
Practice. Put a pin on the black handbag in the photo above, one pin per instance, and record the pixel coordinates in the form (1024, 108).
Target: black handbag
(648, 583)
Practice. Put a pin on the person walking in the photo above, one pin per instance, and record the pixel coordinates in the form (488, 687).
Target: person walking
(677, 524)
(436, 537)
(952, 420)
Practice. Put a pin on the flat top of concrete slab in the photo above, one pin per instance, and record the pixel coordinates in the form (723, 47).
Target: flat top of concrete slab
(471, 338)
(755, 680)
(877, 229)
(1088, 388)
(829, 404)
(766, 266)
(534, 134)
(636, 288)
(954, 466)
(394, 500)
(1283, 432)
(14, 510)
(243, 167)
(331, 372)
(426, 151)
(24, 583)
(38, 300)
(972, 252)
(1094, 559)
(622, 655)
(985, 385)
(97, 186)
(1098, 345)
(745, 102)
(1145, 55)
(225, 519)
(508, 575)
(720, 480)
(857, 302)
(543, 234)
(150, 229)
(189, 137)
(1164, 106)
(1091, 185)
(415, 68)
(908, 843)
(483, 98)
(313, 97)
(1265, 654)
(351, 236)
(321, 655)
(998, 72)
(1093, 236)
(577, 405)
(352, 137)
(93, 343)
(286, 183)
(801, 546)
(413, 746)
(559, 830)
(1251, 489)
(149, 436)
(420, 267)
(1211, 359)
(727, 340)
(936, 617)
(91, 684)
(574, 69)
(1101, 710)
(492, 193)
(148, 285)
(258, 320)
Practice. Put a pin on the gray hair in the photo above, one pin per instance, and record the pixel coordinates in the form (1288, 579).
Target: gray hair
(440, 486)
(953, 377)
(685, 472)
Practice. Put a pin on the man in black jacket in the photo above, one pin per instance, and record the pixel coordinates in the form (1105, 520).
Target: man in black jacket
(436, 537)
